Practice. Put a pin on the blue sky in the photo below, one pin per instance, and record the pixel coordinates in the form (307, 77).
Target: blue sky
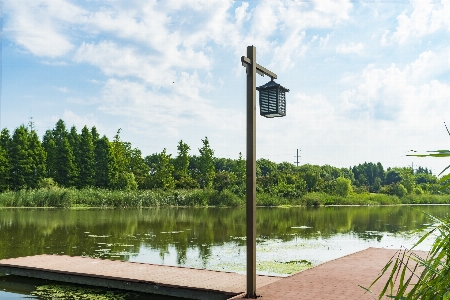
(368, 80)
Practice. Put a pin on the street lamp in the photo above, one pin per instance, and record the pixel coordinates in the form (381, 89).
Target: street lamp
(272, 100)
(273, 104)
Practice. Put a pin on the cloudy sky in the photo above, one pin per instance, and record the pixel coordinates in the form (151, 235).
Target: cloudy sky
(369, 80)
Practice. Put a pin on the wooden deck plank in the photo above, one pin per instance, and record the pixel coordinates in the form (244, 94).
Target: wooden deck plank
(165, 280)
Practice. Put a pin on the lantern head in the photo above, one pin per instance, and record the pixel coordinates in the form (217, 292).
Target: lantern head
(272, 100)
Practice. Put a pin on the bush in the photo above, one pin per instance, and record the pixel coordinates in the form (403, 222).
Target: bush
(342, 187)
(228, 198)
(47, 183)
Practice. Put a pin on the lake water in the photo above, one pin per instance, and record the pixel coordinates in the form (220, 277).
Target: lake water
(288, 239)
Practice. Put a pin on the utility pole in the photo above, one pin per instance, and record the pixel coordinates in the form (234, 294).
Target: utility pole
(297, 157)
(31, 124)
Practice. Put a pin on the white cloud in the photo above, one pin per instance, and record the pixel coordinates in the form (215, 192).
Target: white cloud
(37, 25)
(323, 41)
(350, 48)
(62, 89)
(162, 114)
(427, 17)
(72, 119)
(115, 60)
(54, 63)
(403, 96)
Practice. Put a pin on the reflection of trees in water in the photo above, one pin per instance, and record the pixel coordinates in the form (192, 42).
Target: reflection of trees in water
(29, 232)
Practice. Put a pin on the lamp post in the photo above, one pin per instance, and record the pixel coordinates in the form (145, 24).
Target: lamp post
(272, 104)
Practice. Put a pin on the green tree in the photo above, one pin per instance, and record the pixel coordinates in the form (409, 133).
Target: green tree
(48, 142)
(392, 176)
(206, 165)
(182, 159)
(21, 162)
(74, 142)
(396, 189)
(5, 139)
(366, 173)
(240, 171)
(122, 156)
(408, 180)
(265, 167)
(39, 156)
(86, 159)
(342, 187)
(5, 143)
(162, 172)
(95, 135)
(183, 179)
(224, 180)
(4, 170)
(311, 175)
(106, 174)
(138, 167)
(121, 152)
(64, 160)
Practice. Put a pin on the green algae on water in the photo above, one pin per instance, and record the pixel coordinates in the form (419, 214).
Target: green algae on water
(52, 292)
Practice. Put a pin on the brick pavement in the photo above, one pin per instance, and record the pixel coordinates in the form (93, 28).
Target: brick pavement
(337, 279)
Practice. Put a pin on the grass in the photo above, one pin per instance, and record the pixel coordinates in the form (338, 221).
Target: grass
(95, 197)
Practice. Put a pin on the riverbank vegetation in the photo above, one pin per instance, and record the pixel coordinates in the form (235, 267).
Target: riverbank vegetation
(70, 169)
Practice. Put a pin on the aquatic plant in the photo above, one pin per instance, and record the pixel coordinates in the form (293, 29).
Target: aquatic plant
(68, 292)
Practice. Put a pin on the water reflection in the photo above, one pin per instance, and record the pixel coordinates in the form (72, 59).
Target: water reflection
(211, 238)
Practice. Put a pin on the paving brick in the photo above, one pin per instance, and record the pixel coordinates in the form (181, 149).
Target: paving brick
(337, 279)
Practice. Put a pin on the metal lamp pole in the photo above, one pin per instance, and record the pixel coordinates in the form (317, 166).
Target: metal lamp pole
(252, 68)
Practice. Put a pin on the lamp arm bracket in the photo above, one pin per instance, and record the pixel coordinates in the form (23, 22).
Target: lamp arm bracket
(246, 62)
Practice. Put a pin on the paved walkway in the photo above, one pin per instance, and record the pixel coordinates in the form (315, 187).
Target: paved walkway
(337, 279)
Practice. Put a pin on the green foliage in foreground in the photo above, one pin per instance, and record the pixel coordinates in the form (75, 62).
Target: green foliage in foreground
(53, 196)
(432, 273)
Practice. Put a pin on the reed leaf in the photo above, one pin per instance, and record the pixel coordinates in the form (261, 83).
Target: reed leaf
(432, 273)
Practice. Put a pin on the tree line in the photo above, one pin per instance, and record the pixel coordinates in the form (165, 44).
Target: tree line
(68, 158)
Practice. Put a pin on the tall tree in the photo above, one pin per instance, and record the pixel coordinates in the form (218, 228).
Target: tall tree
(5, 138)
(86, 159)
(138, 167)
(239, 170)
(39, 156)
(95, 135)
(48, 142)
(5, 143)
(4, 170)
(311, 175)
(163, 175)
(21, 162)
(206, 165)
(74, 142)
(105, 164)
(182, 159)
(122, 155)
(65, 167)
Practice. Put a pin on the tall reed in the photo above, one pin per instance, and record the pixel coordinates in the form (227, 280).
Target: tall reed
(431, 273)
